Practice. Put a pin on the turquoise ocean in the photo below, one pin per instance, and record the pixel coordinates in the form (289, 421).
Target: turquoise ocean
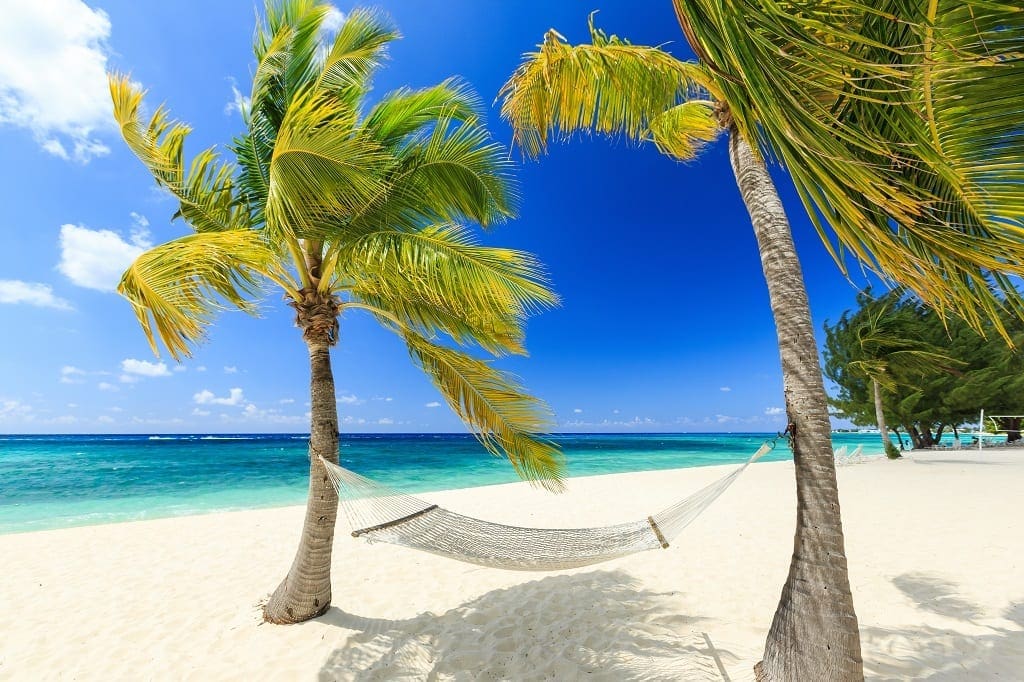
(62, 481)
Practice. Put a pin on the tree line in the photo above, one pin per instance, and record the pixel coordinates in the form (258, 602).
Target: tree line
(927, 374)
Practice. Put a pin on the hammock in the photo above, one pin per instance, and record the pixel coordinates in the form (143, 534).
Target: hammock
(380, 514)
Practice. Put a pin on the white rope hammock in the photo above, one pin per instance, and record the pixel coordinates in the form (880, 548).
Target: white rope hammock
(381, 514)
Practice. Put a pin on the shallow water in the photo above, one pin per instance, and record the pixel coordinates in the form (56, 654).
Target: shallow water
(61, 481)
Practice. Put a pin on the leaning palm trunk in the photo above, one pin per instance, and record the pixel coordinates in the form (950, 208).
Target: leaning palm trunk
(814, 634)
(306, 591)
(880, 416)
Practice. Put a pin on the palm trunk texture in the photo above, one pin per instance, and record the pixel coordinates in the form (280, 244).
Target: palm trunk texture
(306, 591)
(880, 416)
(814, 635)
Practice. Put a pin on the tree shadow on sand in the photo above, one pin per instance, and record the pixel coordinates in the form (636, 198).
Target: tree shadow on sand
(596, 625)
(929, 653)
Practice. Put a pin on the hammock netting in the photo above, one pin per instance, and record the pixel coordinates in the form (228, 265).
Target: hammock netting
(381, 514)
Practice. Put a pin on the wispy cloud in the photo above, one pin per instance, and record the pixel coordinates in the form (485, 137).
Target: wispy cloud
(239, 102)
(773, 411)
(144, 368)
(30, 293)
(53, 83)
(72, 375)
(433, 403)
(206, 397)
(725, 389)
(350, 400)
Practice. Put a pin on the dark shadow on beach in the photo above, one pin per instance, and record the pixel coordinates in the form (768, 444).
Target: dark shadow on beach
(597, 625)
(929, 653)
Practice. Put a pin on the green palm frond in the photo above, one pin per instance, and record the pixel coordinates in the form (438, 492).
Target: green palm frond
(609, 86)
(298, 24)
(206, 191)
(321, 167)
(176, 287)
(404, 112)
(502, 415)
(451, 173)
(498, 335)
(900, 124)
(444, 265)
(356, 52)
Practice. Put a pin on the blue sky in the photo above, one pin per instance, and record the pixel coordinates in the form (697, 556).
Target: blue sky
(665, 324)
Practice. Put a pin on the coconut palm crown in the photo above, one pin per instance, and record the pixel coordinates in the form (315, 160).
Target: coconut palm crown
(347, 206)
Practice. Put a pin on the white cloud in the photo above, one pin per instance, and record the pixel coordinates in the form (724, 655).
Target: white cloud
(231, 370)
(53, 82)
(433, 404)
(180, 368)
(773, 411)
(104, 386)
(105, 419)
(725, 419)
(725, 389)
(96, 259)
(353, 420)
(31, 293)
(200, 413)
(71, 375)
(615, 411)
(143, 368)
(350, 400)
(14, 410)
(577, 411)
(201, 368)
(72, 405)
(385, 420)
(332, 23)
(206, 397)
(239, 102)
(286, 401)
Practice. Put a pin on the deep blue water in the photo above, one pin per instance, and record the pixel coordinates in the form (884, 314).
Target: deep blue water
(61, 481)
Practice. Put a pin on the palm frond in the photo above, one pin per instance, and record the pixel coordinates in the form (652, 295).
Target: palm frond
(608, 86)
(683, 131)
(321, 167)
(451, 173)
(505, 419)
(205, 193)
(444, 264)
(356, 52)
(404, 112)
(298, 25)
(175, 288)
(495, 333)
(900, 124)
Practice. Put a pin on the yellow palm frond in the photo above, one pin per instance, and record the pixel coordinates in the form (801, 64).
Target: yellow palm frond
(502, 415)
(443, 265)
(609, 86)
(205, 192)
(321, 168)
(900, 123)
(176, 287)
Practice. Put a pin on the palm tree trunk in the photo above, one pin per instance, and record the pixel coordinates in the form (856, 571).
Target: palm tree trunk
(880, 416)
(306, 591)
(814, 635)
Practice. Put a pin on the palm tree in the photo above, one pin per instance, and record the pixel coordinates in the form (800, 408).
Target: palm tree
(345, 211)
(886, 118)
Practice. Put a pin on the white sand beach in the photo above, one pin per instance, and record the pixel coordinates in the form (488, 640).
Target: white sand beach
(935, 545)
